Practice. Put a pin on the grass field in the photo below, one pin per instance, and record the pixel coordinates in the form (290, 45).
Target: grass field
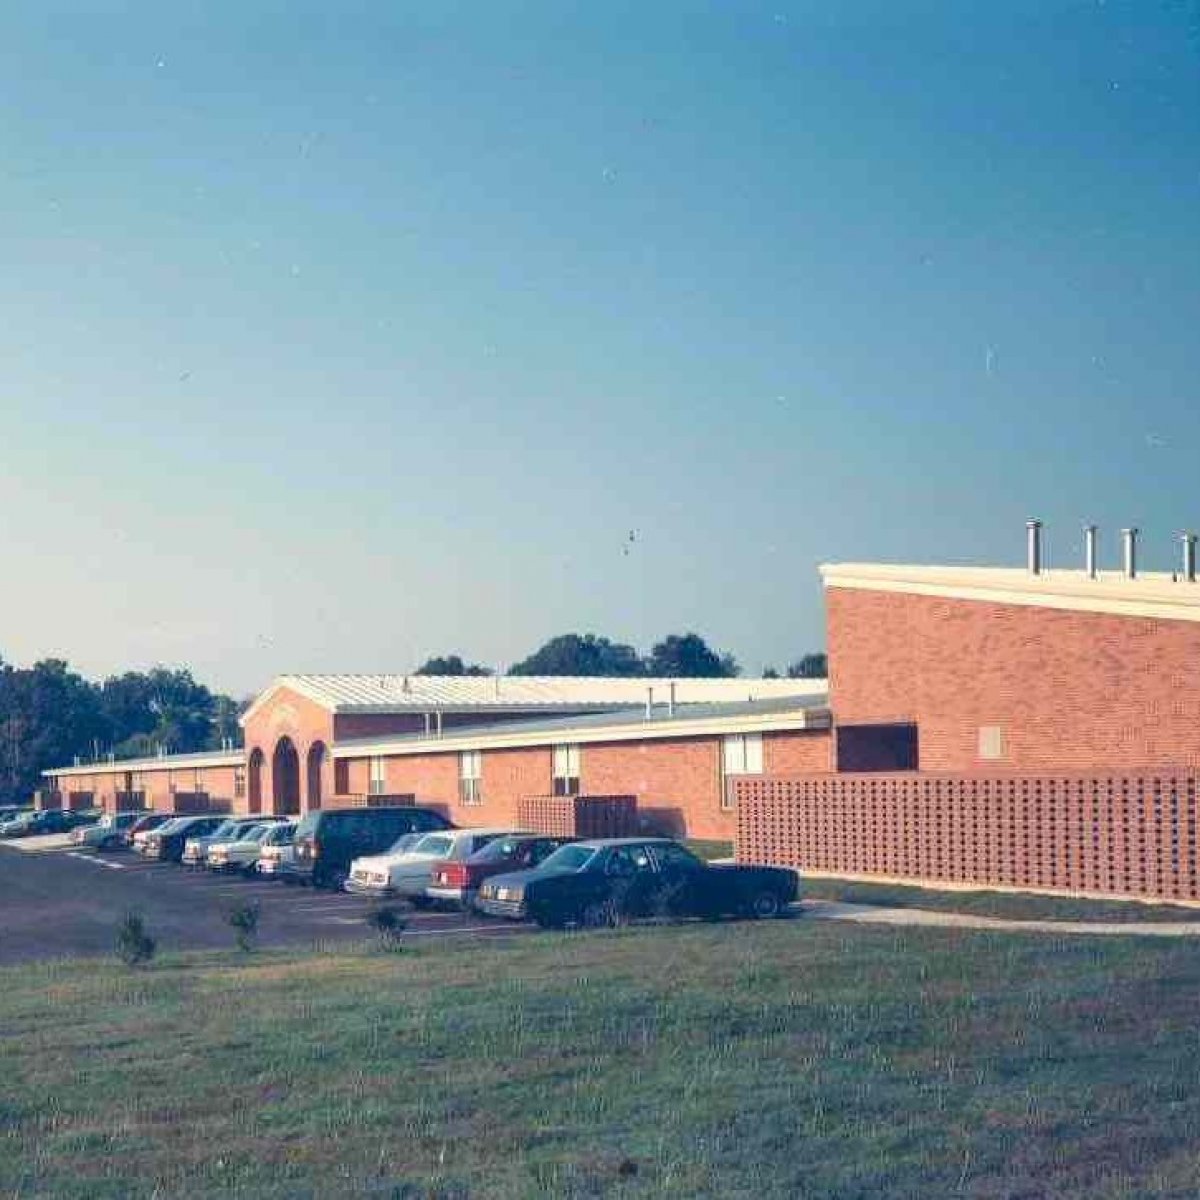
(790, 1058)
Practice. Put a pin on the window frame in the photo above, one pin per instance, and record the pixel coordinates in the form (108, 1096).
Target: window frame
(470, 778)
(376, 775)
(565, 769)
(748, 760)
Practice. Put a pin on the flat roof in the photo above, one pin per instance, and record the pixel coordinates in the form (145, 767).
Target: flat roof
(629, 725)
(500, 693)
(1153, 594)
(224, 758)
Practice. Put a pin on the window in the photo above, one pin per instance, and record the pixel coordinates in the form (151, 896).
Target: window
(741, 755)
(566, 770)
(377, 777)
(470, 777)
(239, 782)
(991, 742)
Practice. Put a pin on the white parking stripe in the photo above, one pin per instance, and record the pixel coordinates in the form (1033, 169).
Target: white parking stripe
(100, 862)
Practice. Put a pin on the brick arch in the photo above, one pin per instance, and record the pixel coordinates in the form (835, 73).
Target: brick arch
(285, 777)
(254, 781)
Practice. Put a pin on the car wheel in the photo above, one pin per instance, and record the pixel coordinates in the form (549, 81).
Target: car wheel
(765, 905)
(600, 914)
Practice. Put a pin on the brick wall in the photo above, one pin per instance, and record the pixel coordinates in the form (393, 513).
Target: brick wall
(1125, 834)
(1054, 690)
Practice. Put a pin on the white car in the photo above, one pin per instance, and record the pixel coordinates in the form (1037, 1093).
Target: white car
(105, 834)
(241, 853)
(277, 851)
(195, 850)
(407, 871)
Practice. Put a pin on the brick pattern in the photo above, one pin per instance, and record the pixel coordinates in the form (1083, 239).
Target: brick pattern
(579, 816)
(1129, 834)
(1073, 691)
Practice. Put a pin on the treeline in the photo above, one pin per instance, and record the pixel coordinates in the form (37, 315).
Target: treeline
(677, 656)
(50, 714)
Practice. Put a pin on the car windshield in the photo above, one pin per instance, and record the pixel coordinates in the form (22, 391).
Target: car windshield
(407, 842)
(499, 850)
(568, 858)
(279, 835)
(169, 826)
(433, 843)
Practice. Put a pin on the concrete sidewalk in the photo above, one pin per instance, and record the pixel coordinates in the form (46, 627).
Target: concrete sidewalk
(872, 914)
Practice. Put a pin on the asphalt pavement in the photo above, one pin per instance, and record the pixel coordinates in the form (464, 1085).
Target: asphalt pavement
(57, 901)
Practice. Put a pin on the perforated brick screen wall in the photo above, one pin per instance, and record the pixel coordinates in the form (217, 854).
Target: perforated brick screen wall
(579, 816)
(1133, 834)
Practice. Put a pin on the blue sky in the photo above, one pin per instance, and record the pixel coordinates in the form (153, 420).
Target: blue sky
(337, 336)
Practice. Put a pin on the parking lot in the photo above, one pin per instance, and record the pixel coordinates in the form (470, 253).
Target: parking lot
(57, 901)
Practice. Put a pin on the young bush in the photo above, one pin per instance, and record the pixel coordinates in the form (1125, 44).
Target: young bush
(244, 919)
(134, 945)
(388, 925)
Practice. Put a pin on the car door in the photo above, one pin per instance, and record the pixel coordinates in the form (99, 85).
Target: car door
(633, 880)
(683, 891)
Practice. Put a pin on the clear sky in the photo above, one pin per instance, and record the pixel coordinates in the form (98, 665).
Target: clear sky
(337, 335)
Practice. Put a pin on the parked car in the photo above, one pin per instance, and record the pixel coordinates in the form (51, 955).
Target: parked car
(601, 882)
(241, 853)
(136, 834)
(231, 829)
(49, 820)
(107, 832)
(277, 852)
(408, 872)
(167, 841)
(456, 881)
(329, 840)
(17, 825)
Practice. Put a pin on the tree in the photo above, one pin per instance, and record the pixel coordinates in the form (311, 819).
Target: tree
(688, 656)
(581, 654)
(450, 664)
(811, 666)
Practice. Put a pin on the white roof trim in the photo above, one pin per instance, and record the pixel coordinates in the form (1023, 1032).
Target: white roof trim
(1153, 595)
(169, 763)
(816, 718)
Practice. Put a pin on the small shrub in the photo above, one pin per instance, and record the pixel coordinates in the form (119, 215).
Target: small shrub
(134, 945)
(244, 919)
(389, 925)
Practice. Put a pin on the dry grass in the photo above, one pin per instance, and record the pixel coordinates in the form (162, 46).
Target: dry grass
(783, 1059)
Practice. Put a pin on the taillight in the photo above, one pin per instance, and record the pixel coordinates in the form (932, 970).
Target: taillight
(452, 874)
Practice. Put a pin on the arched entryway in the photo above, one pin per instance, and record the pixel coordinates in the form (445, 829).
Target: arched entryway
(316, 766)
(254, 784)
(285, 777)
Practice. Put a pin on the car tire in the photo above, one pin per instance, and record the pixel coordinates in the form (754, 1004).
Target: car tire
(765, 905)
(600, 914)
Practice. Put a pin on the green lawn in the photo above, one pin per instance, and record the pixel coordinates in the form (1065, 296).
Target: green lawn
(1015, 905)
(792, 1058)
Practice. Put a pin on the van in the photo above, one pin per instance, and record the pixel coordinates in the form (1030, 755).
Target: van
(327, 842)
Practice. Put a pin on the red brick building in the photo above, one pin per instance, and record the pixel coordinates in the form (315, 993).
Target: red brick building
(1010, 728)
(476, 747)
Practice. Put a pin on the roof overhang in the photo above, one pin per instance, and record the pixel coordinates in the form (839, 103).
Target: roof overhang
(1153, 595)
(177, 762)
(810, 719)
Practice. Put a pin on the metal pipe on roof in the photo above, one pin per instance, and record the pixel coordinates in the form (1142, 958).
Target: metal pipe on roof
(439, 722)
(1033, 546)
(1129, 539)
(1189, 557)
(649, 703)
(1089, 550)
(671, 700)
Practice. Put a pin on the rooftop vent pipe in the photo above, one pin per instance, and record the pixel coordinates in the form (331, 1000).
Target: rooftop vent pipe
(1129, 539)
(671, 700)
(649, 703)
(1033, 540)
(1089, 550)
(1189, 557)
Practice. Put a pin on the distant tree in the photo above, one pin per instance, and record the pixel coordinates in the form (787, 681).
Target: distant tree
(450, 664)
(581, 654)
(770, 673)
(689, 656)
(811, 666)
